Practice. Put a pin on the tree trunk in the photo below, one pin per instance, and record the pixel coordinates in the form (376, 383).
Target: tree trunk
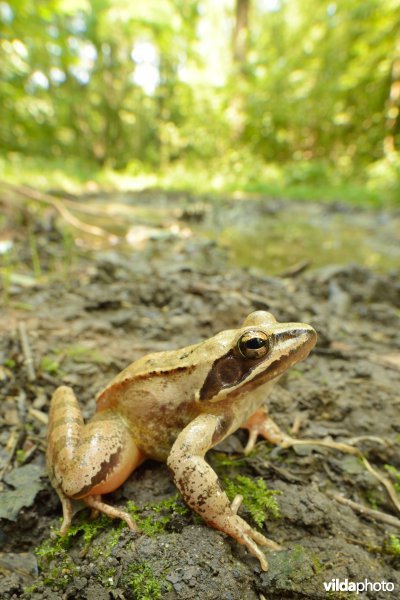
(393, 105)
(241, 32)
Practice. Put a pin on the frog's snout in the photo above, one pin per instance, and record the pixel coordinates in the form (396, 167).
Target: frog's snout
(308, 337)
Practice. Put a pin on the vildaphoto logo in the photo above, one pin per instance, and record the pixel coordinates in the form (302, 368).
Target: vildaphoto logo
(344, 585)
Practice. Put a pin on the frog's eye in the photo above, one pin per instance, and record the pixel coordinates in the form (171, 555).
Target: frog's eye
(253, 344)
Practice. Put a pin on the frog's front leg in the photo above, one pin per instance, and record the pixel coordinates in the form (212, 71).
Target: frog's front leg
(200, 488)
(85, 461)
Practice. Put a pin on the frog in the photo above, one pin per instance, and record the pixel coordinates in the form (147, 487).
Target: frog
(174, 406)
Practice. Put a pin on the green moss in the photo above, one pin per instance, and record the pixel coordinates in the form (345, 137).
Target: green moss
(222, 460)
(316, 563)
(106, 575)
(393, 545)
(341, 595)
(143, 582)
(79, 354)
(173, 504)
(10, 363)
(154, 523)
(373, 498)
(55, 564)
(395, 475)
(20, 455)
(22, 306)
(258, 499)
(49, 365)
(54, 561)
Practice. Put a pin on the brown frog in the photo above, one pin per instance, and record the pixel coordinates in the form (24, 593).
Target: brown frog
(174, 406)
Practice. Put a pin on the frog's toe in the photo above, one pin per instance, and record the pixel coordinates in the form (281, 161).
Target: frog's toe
(263, 541)
(252, 539)
(67, 511)
(236, 503)
(260, 539)
(95, 504)
(255, 551)
(260, 423)
(129, 521)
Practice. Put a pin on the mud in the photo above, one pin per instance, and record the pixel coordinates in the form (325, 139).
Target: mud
(90, 313)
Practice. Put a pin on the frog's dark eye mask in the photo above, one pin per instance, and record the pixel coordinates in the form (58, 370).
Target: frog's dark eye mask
(268, 354)
(234, 367)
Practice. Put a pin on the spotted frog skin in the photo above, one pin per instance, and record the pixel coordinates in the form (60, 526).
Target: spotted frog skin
(174, 406)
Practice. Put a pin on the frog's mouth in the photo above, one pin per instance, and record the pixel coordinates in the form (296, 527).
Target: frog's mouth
(287, 360)
(232, 371)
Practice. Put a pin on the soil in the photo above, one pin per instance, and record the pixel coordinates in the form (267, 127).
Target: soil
(89, 313)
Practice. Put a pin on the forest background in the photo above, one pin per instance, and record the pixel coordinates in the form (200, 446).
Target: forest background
(272, 96)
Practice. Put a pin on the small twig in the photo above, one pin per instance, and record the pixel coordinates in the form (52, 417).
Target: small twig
(28, 359)
(348, 449)
(297, 422)
(39, 416)
(365, 511)
(296, 269)
(28, 454)
(384, 481)
(368, 438)
(64, 212)
(17, 434)
(11, 448)
(363, 544)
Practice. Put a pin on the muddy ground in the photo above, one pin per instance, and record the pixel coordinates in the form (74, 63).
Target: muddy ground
(87, 314)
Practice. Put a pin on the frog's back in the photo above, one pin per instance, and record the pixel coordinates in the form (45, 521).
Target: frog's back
(155, 398)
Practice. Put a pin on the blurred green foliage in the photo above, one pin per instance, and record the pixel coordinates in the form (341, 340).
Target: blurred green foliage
(313, 99)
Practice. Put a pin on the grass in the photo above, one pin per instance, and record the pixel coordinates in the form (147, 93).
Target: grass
(374, 185)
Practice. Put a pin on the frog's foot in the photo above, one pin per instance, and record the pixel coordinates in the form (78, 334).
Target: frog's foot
(67, 512)
(200, 488)
(66, 504)
(236, 503)
(96, 504)
(260, 423)
(236, 527)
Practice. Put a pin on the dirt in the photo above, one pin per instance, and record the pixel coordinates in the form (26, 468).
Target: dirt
(87, 314)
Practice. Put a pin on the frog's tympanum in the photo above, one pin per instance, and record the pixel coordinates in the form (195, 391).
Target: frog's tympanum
(174, 406)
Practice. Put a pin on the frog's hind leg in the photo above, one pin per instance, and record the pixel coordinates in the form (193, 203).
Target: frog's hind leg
(85, 461)
(260, 423)
(66, 504)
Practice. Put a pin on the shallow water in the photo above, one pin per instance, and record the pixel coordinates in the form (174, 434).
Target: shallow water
(268, 234)
(277, 239)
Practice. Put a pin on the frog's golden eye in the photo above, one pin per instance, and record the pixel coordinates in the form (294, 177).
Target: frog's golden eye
(253, 344)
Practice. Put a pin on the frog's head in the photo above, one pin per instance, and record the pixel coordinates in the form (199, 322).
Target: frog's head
(258, 352)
